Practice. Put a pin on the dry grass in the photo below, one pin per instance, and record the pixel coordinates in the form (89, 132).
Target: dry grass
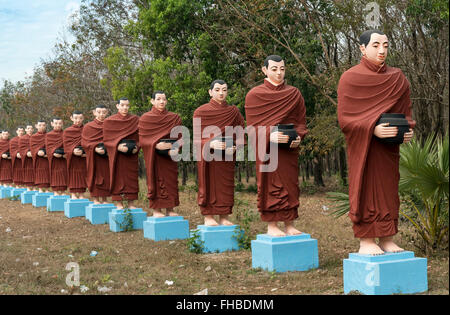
(35, 252)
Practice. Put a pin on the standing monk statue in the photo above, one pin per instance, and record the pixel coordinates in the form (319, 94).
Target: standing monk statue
(75, 156)
(267, 105)
(96, 157)
(121, 140)
(27, 158)
(216, 177)
(56, 157)
(17, 169)
(366, 92)
(39, 156)
(162, 171)
(5, 159)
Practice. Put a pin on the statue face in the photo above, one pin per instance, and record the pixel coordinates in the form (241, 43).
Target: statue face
(219, 92)
(20, 132)
(41, 126)
(377, 49)
(57, 124)
(275, 72)
(29, 130)
(159, 102)
(123, 107)
(5, 135)
(100, 113)
(77, 119)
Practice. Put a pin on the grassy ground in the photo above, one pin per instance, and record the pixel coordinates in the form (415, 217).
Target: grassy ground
(36, 246)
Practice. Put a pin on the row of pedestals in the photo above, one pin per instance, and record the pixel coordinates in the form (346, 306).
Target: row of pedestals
(384, 274)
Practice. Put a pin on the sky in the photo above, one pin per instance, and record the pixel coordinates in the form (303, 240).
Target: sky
(28, 31)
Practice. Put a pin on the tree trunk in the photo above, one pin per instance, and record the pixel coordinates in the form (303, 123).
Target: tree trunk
(343, 166)
(318, 171)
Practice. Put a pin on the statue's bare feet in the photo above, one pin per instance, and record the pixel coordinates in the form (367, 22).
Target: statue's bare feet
(387, 244)
(209, 221)
(368, 246)
(158, 214)
(172, 213)
(274, 230)
(223, 220)
(290, 229)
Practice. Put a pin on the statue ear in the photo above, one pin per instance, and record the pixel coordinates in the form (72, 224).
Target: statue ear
(363, 49)
(264, 69)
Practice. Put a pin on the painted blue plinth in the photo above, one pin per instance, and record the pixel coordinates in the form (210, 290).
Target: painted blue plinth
(218, 239)
(166, 228)
(76, 207)
(5, 192)
(99, 214)
(27, 196)
(390, 273)
(40, 199)
(117, 216)
(17, 191)
(56, 203)
(285, 253)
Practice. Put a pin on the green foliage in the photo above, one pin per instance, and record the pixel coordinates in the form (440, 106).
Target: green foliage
(341, 203)
(194, 243)
(14, 198)
(242, 233)
(127, 223)
(424, 185)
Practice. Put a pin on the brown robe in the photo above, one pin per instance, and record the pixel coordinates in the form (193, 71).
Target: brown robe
(97, 165)
(76, 165)
(17, 170)
(267, 105)
(40, 164)
(161, 171)
(123, 168)
(216, 178)
(5, 164)
(57, 166)
(27, 162)
(364, 93)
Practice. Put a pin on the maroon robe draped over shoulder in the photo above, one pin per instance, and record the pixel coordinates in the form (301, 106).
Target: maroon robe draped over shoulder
(5, 164)
(267, 105)
(27, 162)
(16, 164)
(40, 164)
(123, 168)
(97, 165)
(216, 178)
(161, 171)
(57, 166)
(365, 92)
(76, 165)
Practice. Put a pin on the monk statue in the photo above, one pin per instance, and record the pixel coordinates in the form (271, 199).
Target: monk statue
(97, 159)
(366, 92)
(155, 127)
(267, 105)
(39, 156)
(56, 157)
(16, 161)
(5, 159)
(27, 157)
(216, 176)
(75, 156)
(121, 140)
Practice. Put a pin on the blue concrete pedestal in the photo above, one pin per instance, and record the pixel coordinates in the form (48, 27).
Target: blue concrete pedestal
(56, 203)
(76, 207)
(285, 253)
(166, 228)
(117, 219)
(218, 239)
(27, 196)
(99, 214)
(5, 192)
(40, 199)
(17, 191)
(389, 273)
